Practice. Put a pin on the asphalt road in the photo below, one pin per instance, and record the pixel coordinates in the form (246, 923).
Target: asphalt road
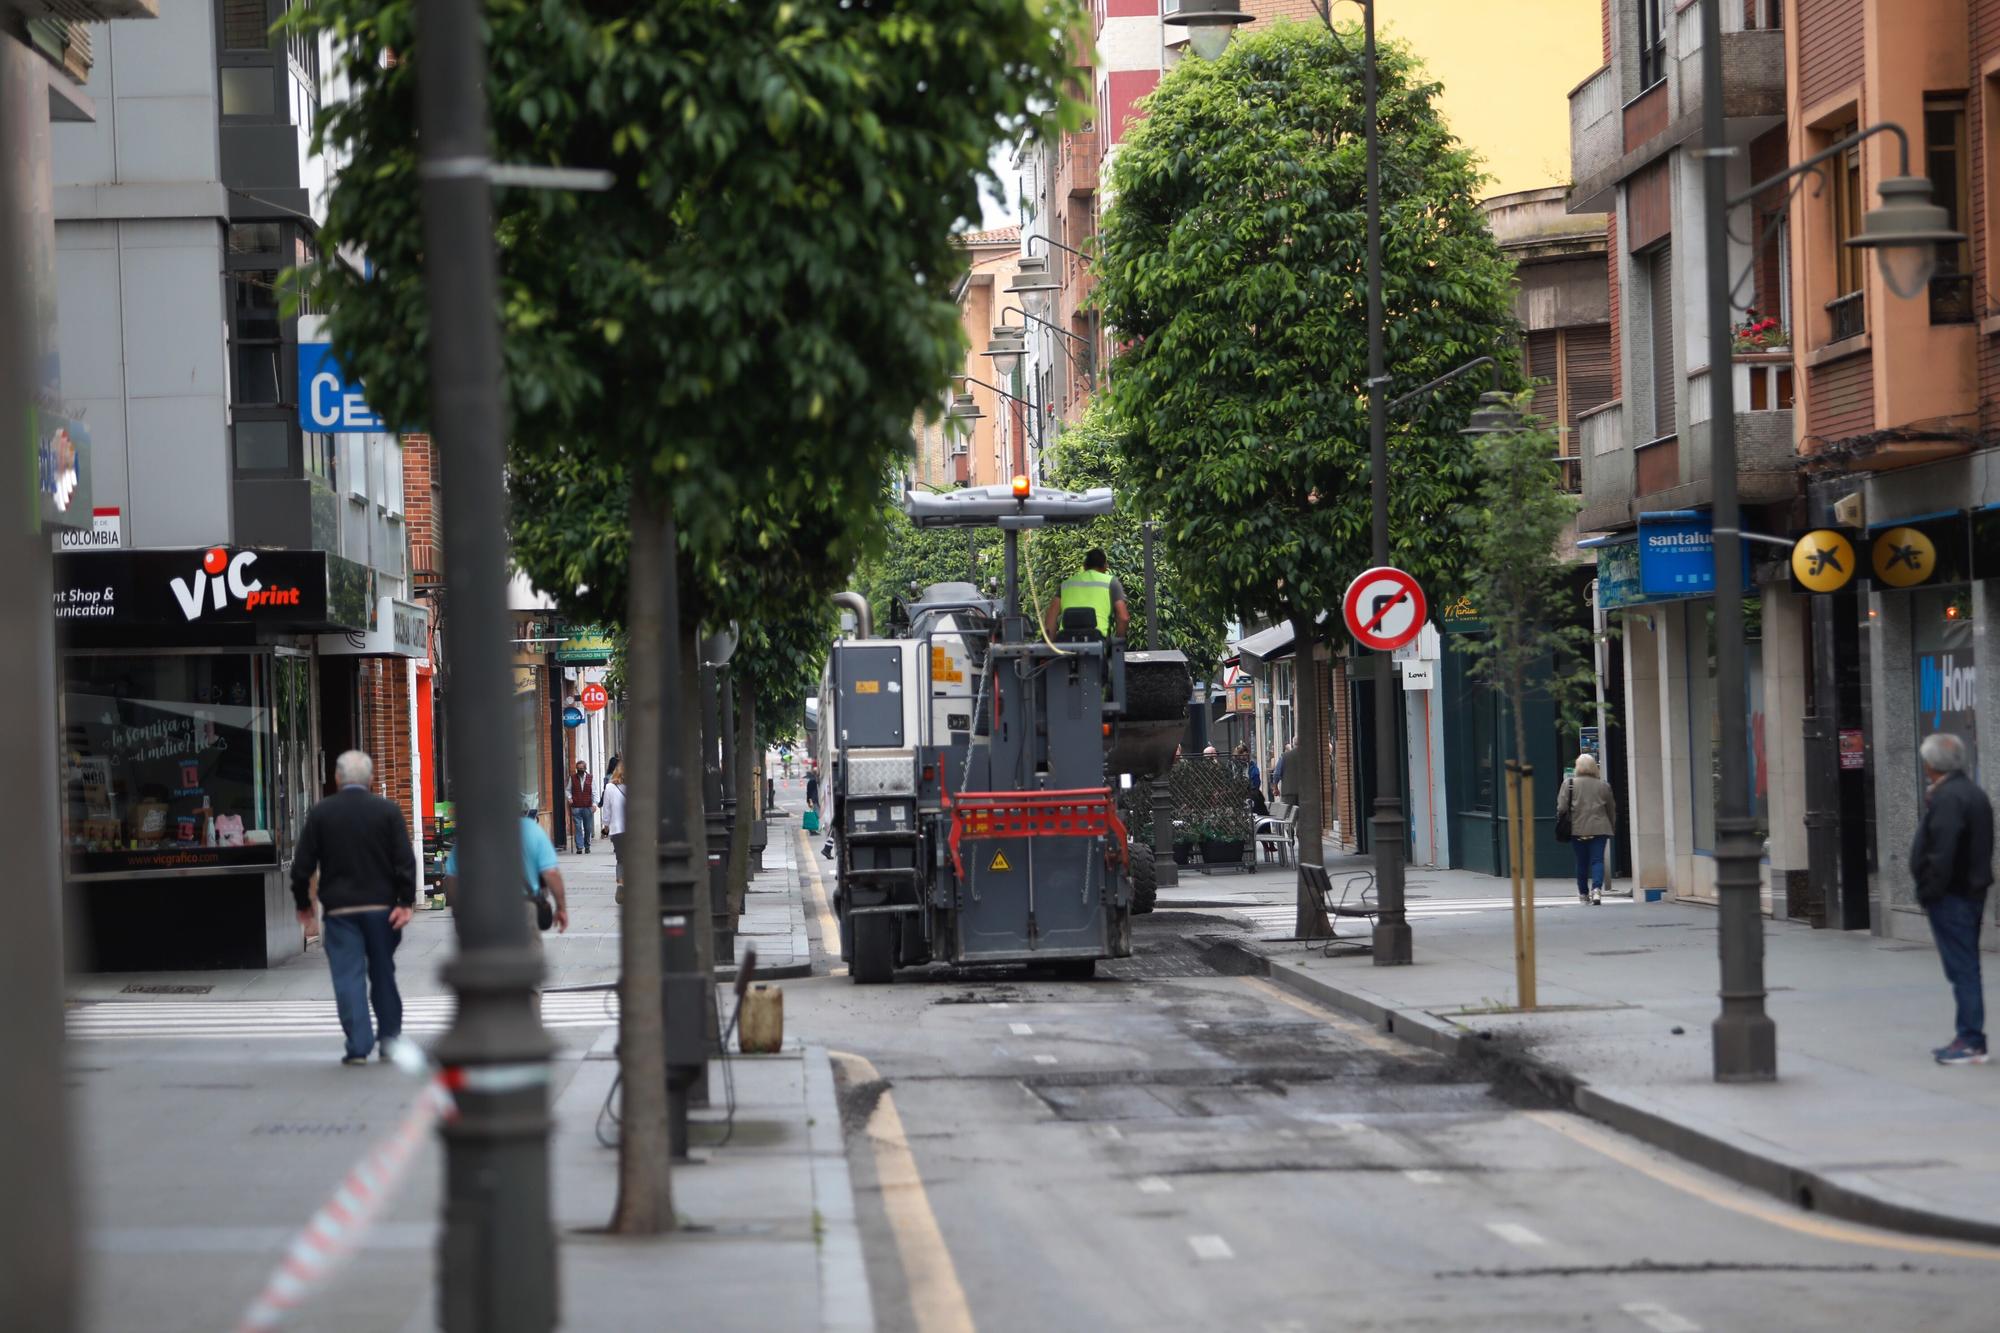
(1168, 1147)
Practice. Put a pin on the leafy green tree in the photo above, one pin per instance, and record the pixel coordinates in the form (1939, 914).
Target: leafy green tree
(742, 326)
(1524, 593)
(1233, 267)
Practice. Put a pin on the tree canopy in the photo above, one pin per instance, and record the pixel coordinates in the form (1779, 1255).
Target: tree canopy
(1233, 267)
(750, 317)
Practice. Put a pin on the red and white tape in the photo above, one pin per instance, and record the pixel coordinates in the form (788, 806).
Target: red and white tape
(335, 1231)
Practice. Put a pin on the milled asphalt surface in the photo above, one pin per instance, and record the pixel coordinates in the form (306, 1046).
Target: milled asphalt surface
(1167, 1148)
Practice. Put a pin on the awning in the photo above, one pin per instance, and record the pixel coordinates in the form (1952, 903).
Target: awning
(1268, 645)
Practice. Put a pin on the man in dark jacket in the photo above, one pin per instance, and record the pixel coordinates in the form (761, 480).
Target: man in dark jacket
(367, 888)
(1951, 863)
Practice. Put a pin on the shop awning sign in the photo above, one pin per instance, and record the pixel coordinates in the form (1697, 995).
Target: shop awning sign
(589, 646)
(192, 590)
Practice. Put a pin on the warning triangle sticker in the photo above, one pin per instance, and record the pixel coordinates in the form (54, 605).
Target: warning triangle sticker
(1000, 862)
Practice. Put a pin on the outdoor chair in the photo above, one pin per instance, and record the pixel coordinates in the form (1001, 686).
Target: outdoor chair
(1356, 901)
(1277, 835)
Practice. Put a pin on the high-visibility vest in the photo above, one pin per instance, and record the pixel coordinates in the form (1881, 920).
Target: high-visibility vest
(1089, 588)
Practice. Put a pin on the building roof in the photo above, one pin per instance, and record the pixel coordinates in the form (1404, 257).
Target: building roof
(998, 236)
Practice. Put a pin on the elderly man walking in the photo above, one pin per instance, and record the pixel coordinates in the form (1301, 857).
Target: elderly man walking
(1951, 863)
(367, 888)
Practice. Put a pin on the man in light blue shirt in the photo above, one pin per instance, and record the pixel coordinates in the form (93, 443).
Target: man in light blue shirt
(538, 872)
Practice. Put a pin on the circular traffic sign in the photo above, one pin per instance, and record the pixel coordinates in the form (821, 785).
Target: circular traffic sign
(1823, 560)
(592, 697)
(1384, 608)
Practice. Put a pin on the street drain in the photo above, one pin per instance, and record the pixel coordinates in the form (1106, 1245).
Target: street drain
(164, 988)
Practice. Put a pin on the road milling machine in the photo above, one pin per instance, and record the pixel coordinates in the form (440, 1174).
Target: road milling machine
(970, 765)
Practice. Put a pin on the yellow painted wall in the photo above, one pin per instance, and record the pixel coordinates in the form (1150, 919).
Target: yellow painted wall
(1507, 67)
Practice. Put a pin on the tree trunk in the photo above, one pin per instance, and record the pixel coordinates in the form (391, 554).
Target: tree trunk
(745, 778)
(645, 1191)
(1311, 923)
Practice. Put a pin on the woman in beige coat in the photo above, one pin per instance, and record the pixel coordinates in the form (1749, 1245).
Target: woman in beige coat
(1593, 814)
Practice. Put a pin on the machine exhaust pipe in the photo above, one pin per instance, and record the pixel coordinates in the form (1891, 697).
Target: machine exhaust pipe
(864, 619)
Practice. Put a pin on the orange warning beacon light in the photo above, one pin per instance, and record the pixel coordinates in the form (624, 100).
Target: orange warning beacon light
(1021, 488)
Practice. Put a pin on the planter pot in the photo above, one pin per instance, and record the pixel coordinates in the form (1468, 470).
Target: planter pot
(1224, 852)
(1183, 853)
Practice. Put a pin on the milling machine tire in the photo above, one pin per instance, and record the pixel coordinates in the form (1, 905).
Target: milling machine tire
(1145, 877)
(874, 962)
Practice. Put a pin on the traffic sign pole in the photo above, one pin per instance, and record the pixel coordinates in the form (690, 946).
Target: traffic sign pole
(1384, 609)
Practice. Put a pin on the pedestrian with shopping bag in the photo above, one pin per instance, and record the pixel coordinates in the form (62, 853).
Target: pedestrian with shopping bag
(1586, 816)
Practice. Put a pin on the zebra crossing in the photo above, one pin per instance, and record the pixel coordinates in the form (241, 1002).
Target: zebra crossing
(1283, 915)
(423, 1016)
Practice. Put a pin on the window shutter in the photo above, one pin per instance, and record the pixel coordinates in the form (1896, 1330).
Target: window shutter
(1545, 371)
(1660, 293)
(1587, 354)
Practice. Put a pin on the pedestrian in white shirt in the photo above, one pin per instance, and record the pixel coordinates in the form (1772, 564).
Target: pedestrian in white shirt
(614, 823)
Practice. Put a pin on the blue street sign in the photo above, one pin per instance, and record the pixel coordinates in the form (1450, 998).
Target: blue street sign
(329, 403)
(572, 716)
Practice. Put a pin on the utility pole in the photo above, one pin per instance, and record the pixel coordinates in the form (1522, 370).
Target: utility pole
(496, 1256)
(1392, 926)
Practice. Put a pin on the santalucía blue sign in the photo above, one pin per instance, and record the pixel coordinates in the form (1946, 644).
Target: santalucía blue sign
(329, 402)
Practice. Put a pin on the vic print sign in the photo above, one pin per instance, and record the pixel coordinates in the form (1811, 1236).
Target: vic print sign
(224, 577)
(329, 403)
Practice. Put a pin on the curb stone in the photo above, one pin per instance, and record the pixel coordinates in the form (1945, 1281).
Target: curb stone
(845, 1305)
(1642, 1117)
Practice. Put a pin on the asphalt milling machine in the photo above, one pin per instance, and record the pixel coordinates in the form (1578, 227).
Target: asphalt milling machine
(971, 766)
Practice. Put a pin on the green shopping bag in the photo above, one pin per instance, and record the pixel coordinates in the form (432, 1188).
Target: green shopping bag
(810, 821)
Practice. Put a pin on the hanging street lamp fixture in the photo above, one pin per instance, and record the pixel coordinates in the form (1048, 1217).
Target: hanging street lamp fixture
(1208, 24)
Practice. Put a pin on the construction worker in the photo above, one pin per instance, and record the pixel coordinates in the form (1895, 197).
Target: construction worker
(1091, 587)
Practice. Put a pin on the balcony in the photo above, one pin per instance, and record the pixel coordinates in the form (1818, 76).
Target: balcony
(1076, 166)
(1615, 130)
(1620, 479)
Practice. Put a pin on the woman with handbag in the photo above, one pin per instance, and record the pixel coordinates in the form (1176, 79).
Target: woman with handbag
(1587, 812)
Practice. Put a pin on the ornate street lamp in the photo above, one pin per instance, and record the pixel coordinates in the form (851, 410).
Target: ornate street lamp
(1495, 415)
(1008, 343)
(1209, 23)
(1034, 283)
(1906, 231)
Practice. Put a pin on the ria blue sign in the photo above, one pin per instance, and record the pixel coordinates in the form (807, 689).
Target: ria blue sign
(329, 403)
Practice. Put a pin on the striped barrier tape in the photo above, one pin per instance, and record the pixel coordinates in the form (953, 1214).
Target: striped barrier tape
(335, 1231)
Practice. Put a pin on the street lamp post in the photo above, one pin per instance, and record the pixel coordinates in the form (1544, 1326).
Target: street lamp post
(1165, 872)
(1905, 231)
(716, 650)
(496, 1253)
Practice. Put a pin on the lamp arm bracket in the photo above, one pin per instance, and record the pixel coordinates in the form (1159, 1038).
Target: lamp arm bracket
(1397, 404)
(1829, 152)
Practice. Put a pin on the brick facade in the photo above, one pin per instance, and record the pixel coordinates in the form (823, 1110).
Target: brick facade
(384, 684)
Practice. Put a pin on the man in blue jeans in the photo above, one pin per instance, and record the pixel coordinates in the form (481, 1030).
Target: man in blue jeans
(360, 846)
(1951, 864)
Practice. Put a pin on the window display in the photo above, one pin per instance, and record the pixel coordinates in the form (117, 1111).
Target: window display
(167, 762)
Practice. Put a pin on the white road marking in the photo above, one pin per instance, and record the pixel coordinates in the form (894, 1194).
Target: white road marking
(1210, 1247)
(1197, 1026)
(1154, 1185)
(1021, 1029)
(1421, 1177)
(1515, 1233)
(1111, 1131)
(1045, 1059)
(423, 1015)
(1659, 1318)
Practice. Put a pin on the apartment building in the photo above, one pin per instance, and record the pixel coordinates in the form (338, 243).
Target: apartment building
(245, 614)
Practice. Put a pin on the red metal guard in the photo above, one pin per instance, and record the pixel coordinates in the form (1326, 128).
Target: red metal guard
(1086, 812)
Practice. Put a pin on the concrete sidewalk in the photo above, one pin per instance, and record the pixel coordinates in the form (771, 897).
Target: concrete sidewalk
(1862, 1122)
(584, 957)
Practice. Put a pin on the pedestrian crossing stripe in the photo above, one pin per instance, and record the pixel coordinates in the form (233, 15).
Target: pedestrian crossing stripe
(1000, 862)
(422, 1016)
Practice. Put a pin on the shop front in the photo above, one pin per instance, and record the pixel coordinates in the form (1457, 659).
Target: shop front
(190, 747)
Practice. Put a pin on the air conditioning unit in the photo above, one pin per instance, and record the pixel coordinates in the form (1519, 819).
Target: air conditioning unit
(1849, 511)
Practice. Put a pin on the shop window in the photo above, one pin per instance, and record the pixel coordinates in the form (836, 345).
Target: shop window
(1946, 669)
(1704, 715)
(1947, 164)
(167, 762)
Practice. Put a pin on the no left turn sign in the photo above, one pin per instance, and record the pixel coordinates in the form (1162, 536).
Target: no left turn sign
(1384, 608)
